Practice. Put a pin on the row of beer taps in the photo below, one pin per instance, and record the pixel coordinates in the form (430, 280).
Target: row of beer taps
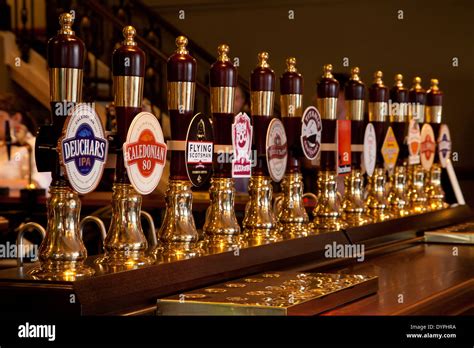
(410, 189)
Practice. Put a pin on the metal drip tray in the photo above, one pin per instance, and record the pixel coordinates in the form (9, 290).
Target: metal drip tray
(272, 293)
(462, 233)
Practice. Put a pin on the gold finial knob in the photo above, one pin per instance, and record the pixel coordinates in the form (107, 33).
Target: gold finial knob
(399, 80)
(181, 43)
(291, 64)
(129, 33)
(378, 78)
(417, 82)
(327, 69)
(263, 60)
(355, 73)
(65, 21)
(434, 85)
(223, 50)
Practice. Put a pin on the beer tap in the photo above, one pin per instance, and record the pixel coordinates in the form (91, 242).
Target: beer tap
(397, 197)
(125, 245)
(434, 108)
(292, 214)
(178, 236)
(328, 210)
(221, 226)
(377, 203)
(260, 223)
(62, 252)
(355, 213)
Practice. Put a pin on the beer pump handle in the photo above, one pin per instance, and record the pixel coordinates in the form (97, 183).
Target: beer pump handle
(399, 116)
(378, 112)
(181, 69)
(327, 93)
(262, 90)
(291, 105)
(354, 93)
(128, 67)
(223, 83)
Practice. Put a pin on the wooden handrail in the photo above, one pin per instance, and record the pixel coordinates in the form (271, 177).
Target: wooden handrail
(106, 14)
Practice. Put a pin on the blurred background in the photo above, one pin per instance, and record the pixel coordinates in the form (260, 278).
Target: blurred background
(430, 39)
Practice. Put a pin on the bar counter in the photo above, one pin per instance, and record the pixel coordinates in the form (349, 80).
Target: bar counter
(429, 277)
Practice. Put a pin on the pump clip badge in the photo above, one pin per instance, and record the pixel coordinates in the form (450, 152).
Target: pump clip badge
(390, 150)
(311, 128)
(414, 142)
(242, 144)
(428, 146)
(444, 145)
(144, 153)
(370, 149)
(83, 149)
(277, 151)
(199, 150)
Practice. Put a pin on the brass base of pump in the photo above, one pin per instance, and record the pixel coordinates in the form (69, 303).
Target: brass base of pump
(397, 197)
(125, 244)
(260, 223)
(328, 210)
(178, 236)
(377, 204)
(222, 231)
(434, 190)
(353, 204)
(291, 213)
(418, 201)
(62, 252)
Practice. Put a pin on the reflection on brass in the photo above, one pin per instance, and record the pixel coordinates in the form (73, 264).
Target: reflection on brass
(65, 84)
(378, 112)
(125, 244)
(377, 203)
(416, 193)
(263, 60)
(353, 204)
(327, 108)
(291, 105)
(261, 103)
(178, 235)
(397, 197)
(222, 100)
(328, 210)
(433, 114)
(434, 189)
(291, 293)
(292, 216)
(260, 223)
(221, 227)
(223, 51)
(62, 252)
(355, 110)
(181, 96)
(128, 91)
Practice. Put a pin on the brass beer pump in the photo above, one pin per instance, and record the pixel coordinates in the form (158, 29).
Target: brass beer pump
(260, 223)
(125, 245)
(62, 252)
(294, 220)
(221, 226)
(434, 114)
(178, 235)
(353, 204)
(399, 121)
(328, 210)
(377, 203)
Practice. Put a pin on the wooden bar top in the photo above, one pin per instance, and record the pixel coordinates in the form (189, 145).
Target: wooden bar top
(418, 279)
